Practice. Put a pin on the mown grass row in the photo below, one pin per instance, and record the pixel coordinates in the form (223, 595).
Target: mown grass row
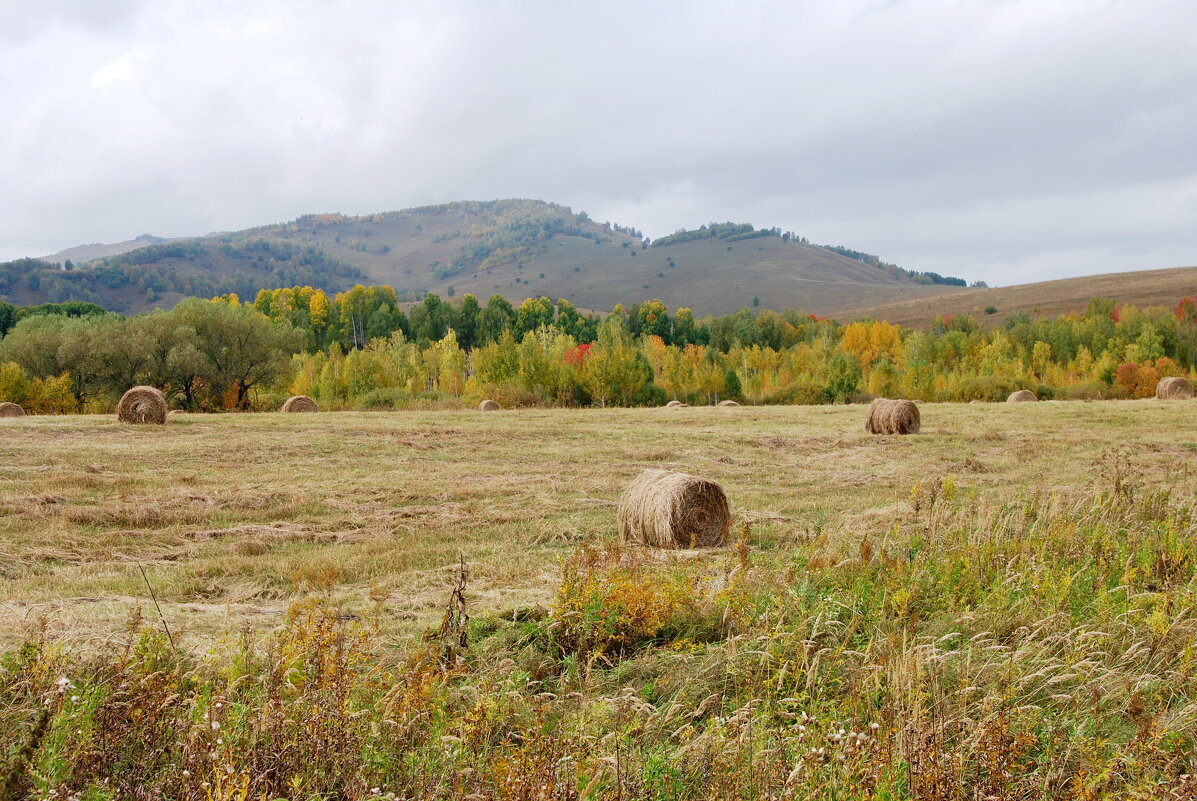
(1037, 648)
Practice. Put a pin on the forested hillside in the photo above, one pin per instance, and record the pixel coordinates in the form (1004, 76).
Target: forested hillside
(516, 248)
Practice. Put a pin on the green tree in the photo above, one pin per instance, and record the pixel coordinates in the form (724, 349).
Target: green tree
(569, 320)
(247, 350)
(437, 318)
(843, 378)
(8, 317)
(176, 364)
(120, 348)
(465, 321)
(685, 330)
(497, 317)
(731, 384)
(34, 344)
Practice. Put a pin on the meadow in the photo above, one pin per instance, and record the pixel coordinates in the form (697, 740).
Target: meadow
(998, 607)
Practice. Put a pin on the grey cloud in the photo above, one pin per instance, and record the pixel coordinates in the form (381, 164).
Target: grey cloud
(25, 20)
(1001, 141)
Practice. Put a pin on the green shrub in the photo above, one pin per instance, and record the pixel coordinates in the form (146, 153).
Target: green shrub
(381, 399)
(985, 388)
(1092, 390)
(802, 392)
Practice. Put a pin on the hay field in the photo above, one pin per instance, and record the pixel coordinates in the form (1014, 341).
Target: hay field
(234, 517)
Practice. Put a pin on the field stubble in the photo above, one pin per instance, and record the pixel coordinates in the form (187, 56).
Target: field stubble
(998, 607)
(236, 516)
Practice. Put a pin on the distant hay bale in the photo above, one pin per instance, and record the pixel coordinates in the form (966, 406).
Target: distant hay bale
(488, 406)
(1022, 396)
(674, 510)
(1174, 388)
(676, 404)
(142, 405)
(300, 403)
(8, 409)
(887, 416)
(728, 403)
(175, 413)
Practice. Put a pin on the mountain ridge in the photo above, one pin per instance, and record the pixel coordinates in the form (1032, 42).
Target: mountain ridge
(526, 248)
(518, 248)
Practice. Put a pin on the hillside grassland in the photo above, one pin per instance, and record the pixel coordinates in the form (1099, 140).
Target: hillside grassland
(1000, 606)
(1045, 298)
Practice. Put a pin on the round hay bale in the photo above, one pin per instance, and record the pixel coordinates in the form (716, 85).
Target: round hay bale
(488, 406)
(676, 404)
(674, 510)
(1022, 396)
(1174, 388)
(887, 416)
(728, 403)
(175, 413)
(300, 403)
(871, 422)
(9, 409)
(142, 405)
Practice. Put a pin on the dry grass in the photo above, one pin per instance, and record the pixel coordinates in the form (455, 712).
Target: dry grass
(1046, 298)
(674, 510)
(356, 504)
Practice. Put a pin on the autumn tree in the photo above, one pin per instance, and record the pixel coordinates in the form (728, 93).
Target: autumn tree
(532, 314)
(615, 371)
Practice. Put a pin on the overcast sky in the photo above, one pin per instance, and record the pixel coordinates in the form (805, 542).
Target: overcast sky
(1007, 141)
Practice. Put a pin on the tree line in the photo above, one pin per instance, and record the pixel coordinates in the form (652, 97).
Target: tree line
(363, 348)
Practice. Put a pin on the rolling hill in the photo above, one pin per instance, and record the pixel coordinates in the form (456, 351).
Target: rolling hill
(81, 254)
(517, 248)
(1046, 298)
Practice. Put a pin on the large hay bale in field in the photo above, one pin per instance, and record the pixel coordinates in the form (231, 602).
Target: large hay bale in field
(675, 404)
(300, 403)
(142, 405)
(1022, 396)
(488, 406)
(1174, 388)
(9, 409)
(674, 510)
(886, 416)
(728, 403)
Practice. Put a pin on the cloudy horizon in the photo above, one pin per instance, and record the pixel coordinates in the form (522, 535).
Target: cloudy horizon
(1005, 141)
